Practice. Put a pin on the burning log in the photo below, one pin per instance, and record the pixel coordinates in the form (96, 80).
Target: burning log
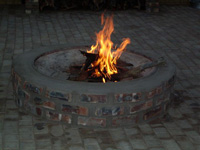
(135, 72)
(85, 72)
(90, 58)
(83, 75)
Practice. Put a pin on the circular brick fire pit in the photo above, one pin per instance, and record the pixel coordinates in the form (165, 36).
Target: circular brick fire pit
(42, 89)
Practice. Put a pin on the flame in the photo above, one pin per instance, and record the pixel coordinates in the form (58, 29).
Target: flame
(104, 80)
(107, 59)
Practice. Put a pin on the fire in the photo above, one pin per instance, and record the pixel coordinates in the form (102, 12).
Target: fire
(107, 60)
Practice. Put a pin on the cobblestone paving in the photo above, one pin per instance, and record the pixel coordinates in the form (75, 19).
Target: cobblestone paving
(174, 33)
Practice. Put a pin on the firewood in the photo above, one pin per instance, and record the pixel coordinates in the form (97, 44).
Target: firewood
(135, 72)
(90, 58)
(97, 79)
(83, 75)
(86, 72)
(74, 69)
(121, 69)
(121, 63)
(132, 73)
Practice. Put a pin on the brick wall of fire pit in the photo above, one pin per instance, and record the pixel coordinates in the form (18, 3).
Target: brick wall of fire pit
(56, 103)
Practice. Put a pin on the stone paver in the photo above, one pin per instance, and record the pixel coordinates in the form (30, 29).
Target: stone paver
(57, 130)
(73, 136)
(161, 132)
(170, 144)
(185, 143)
(173, 33)
(91, 143)
(76, 148)
(27, 145)
(124, 145)
(146, 128)
(138, 143)
(152, 141)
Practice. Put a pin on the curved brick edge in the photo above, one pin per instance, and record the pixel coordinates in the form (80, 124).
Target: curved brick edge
(91, 104)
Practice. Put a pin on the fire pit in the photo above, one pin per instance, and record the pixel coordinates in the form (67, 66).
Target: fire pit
(46, 86)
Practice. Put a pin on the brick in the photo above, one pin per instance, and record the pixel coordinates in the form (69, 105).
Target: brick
(106, 111)
(92, 121)
(124, 120)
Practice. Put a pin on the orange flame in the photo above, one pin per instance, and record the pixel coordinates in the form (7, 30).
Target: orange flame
(107, 59)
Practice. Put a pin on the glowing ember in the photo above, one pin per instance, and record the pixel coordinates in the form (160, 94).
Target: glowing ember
(106, 63)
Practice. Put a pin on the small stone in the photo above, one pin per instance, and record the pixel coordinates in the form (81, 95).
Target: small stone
(57, 130)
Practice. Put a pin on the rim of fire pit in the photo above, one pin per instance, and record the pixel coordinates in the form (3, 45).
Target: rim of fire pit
(102, 108)
(26, 61)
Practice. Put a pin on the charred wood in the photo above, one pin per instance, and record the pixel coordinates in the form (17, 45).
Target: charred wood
(136, 72)
(90, 58)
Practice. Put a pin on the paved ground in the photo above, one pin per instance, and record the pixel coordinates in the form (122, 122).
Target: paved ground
(174, 33)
